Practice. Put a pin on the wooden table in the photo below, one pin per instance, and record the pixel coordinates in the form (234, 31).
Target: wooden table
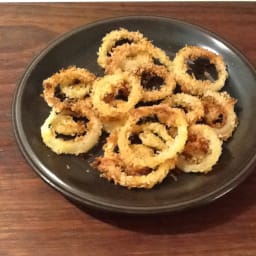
(37, 220)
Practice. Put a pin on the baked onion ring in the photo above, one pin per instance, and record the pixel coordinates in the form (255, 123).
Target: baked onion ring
(170, 118)
(152, 135)
(189, 83)
(157, 82)
(130, 57)
(116, 38)
(67, 86)
(111, 125)
(152, 140)
(68, 133)
(202, 150)
(192, 106)
(219, 113)
(111, 150)
(113, 96)
(114, 169)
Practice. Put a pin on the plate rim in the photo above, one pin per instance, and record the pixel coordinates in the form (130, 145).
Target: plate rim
(38, 168)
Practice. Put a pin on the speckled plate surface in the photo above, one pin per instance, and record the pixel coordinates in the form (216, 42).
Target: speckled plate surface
(73, 175)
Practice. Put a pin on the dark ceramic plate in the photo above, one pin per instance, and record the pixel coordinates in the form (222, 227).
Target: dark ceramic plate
(74, 177)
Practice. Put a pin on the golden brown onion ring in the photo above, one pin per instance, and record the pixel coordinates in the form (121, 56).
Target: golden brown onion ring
(202, 150)
(130, 57)
(169, 117)
(192, 106)
(189, 84)
(108, 93)
(66, 87)
(110, 125)
(157, 82)
(111, 153)
(114, 169)
(115, 38)
(150, 139)
(219, 113)
(152, 135)
(81, 136)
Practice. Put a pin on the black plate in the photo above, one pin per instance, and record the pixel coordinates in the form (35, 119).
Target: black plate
(73, 176)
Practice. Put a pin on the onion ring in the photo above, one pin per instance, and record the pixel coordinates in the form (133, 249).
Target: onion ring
(152, 135)
(202, 150)
(219, 113)
(130, 57)
(108, 93)
(115, 38)
(152, 140)
(67, 86)
(166, 116)
(111, 125)
(192, 106)
(188, 83)
(114, 169)
(81, 137)
(157, 82)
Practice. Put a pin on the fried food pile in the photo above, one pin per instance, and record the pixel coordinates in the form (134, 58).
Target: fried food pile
(159, 114)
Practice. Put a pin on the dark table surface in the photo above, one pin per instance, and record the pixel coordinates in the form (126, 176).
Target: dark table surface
(37, 220)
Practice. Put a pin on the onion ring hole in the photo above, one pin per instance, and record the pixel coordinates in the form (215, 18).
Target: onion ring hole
(150, 81)
(119, 43)
(202, 69)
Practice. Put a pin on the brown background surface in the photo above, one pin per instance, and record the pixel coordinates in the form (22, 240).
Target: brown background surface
(37, 220)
